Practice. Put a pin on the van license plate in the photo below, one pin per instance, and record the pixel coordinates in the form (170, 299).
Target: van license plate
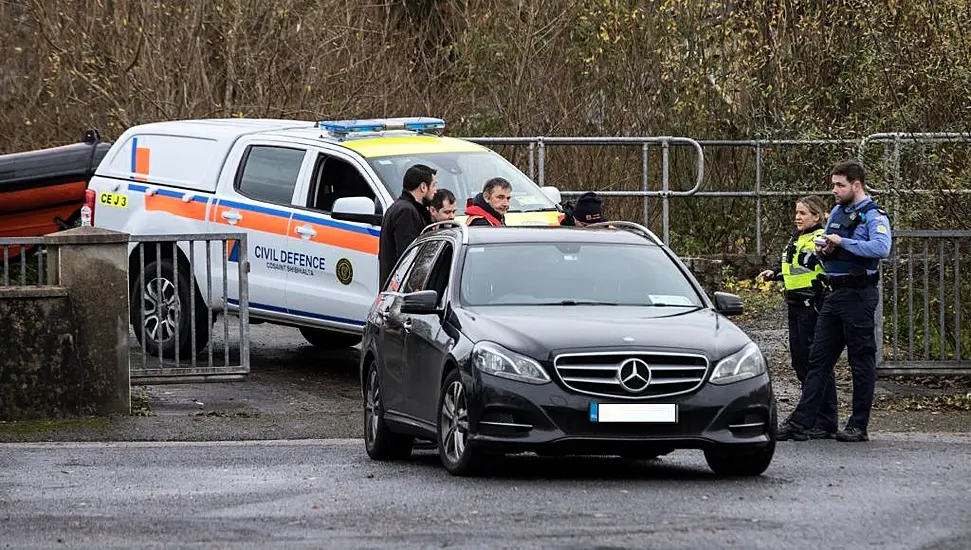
(113, 199)
(634, 412)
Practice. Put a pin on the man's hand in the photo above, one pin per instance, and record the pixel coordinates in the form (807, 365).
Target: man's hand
(832, 241)
(765, 275)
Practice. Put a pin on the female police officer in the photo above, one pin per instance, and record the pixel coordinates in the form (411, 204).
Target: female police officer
(801, 274)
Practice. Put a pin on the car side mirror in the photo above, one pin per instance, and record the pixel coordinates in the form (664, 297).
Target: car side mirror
(356, 209)
(423, 302)
(728, 304)
(552, 193)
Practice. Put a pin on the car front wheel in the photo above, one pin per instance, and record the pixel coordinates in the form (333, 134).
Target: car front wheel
(380, 442)
(458, 457)
(740, 463)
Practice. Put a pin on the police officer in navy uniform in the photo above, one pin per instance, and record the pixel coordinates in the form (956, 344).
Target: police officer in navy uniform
(857, 237)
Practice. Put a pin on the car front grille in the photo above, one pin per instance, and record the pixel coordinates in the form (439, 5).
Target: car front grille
(631, 375)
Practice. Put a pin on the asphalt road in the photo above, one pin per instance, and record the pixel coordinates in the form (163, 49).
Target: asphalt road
(910, 491)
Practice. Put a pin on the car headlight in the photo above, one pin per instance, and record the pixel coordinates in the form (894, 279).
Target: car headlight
(498, 361)
(743, 364)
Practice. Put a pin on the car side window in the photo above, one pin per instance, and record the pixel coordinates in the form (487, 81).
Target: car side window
(424, 263)
(398, 275)
(269, 173)
(335, 178)
(439, 278)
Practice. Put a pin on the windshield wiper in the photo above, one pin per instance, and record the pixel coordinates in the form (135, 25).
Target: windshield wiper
(662, 304)
(578, 303)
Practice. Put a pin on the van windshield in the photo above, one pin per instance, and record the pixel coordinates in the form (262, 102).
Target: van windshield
(464, 173)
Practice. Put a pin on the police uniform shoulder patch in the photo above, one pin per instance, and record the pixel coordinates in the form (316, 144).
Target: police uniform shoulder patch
(882, 229)
(344, 271)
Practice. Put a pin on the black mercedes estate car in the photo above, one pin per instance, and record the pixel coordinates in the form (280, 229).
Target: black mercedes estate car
(559, 340)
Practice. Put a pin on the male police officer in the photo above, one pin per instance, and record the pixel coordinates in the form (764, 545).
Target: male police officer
(857, 237)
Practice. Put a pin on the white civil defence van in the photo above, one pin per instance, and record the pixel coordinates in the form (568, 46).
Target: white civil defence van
(310, 197)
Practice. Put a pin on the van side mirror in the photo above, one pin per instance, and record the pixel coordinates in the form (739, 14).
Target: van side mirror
(356, 209)
(728, 304)
(423, 302)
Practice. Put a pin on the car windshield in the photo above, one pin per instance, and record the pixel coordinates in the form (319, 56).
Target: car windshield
(464, 173)
(574, 274)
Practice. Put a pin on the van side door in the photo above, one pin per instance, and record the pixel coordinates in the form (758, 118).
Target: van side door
(256, 198)
(338, 295)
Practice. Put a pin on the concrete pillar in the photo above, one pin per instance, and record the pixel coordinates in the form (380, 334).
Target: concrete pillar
(92, 264)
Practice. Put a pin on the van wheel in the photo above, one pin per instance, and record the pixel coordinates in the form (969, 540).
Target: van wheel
(329, 339)
(166, 311)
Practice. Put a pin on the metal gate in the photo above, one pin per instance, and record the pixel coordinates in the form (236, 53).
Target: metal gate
(926, 303)
(173, 278)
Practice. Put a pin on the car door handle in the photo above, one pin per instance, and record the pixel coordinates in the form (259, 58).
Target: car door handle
(232, 216)
(406, 324)
(305, 231)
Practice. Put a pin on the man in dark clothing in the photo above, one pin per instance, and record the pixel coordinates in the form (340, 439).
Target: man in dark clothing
(490, 206)
(405, 218)
(587, 209)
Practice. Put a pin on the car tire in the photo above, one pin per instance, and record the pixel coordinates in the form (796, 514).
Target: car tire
(458, 457)
(164, 309)
(748, 463)
(379, 441)
(329, 339)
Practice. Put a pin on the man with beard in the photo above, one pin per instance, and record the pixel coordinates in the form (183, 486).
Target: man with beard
(405, 218)
(857, 237)
(490, 206)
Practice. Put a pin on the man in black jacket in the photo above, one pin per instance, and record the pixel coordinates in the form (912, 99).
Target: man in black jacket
(405, 218)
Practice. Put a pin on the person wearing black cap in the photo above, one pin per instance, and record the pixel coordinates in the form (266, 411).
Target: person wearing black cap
(587, 209)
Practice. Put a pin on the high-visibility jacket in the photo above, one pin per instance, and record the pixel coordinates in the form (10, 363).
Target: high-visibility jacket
(801, 269)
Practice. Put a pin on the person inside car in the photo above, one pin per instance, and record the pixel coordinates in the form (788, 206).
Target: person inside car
(586, 210)
(489, 207)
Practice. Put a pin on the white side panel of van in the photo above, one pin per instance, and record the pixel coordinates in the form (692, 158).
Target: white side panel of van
(178, 161)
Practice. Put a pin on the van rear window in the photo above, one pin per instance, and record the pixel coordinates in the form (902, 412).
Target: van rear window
(270, 173)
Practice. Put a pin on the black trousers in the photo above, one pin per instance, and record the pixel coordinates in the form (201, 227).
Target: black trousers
(846, 319)
(802, 329)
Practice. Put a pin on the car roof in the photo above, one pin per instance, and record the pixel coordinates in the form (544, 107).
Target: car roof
(367, 144)
(479, 235)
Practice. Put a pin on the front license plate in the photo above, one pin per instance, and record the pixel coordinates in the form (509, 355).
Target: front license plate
(634, 412)
(113, 199)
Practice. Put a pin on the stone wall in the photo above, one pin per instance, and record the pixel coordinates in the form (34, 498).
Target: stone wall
(64, 349)
(42, 373)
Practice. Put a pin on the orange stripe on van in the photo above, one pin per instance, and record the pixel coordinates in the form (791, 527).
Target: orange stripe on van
(256, 221)
(340, 238)
(192, 210)
(142, 162)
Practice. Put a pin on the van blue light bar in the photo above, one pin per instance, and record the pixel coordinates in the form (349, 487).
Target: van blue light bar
(415, 124)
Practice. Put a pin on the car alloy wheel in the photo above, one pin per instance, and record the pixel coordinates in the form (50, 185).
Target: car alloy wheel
(380, 442)
(162, 310)
(458, 456)
(455, 421)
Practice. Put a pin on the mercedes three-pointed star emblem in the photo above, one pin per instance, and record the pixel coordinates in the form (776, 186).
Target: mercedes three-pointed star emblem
(634, 375)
